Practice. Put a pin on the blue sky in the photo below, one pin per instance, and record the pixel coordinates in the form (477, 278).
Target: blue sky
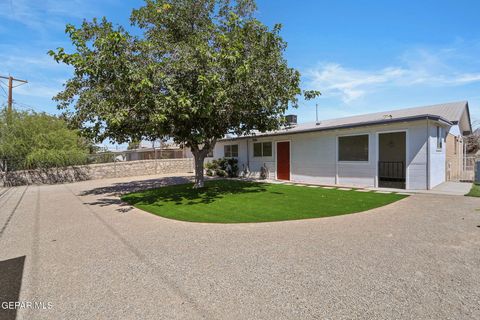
(364, 56)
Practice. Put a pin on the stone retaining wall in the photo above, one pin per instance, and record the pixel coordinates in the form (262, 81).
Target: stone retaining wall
(96, 171)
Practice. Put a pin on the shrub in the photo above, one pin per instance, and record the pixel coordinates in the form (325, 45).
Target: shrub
(209, 172)
(44, 158)
(223, 167)
(211, 165)
(232, 167)
(221, 173)
(30, 140)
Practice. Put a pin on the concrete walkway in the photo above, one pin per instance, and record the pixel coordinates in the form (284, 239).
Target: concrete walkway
(445, 188)
(79, 248)
(453, 188)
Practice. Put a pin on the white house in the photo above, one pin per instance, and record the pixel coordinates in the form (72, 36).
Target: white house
(401, 148)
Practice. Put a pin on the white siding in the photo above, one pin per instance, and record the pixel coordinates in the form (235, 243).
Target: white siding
(437, 157)
(314, 156)
(417, 156)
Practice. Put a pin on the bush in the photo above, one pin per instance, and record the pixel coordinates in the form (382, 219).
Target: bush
(30, 140)
(44, 158)
(223, 167)
(209, 172)
(211, 165)
(221, 173)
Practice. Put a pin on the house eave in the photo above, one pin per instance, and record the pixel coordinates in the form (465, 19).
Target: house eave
(348, 126)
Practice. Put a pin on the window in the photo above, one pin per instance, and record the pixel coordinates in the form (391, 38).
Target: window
(231, 151)
(353, 148)
(267, 149)
(439, 138)
(262, 149)
(257, 149)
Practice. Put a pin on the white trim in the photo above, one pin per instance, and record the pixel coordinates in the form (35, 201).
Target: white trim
(289, 159)
(262, 156)
(230, 145)
(407, 155)
(337, 181)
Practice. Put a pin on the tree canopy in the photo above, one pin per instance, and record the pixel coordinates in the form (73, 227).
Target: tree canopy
(30, 140)
(192, 70)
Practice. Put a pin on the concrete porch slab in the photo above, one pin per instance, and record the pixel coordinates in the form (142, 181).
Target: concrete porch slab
(453, 188)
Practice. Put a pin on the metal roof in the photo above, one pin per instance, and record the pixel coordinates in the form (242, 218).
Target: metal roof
(450, 113)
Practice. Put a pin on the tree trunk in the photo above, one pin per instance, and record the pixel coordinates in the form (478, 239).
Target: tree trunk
(199, 158)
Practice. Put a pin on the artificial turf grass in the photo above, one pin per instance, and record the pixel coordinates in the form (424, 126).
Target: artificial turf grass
(474, 191)
(235, 201)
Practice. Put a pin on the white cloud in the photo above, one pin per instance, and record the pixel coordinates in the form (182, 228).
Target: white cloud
(44, 75)
(41, 16)
(417, 68)
(351, 84)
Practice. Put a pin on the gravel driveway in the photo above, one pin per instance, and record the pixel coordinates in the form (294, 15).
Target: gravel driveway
(78, 248)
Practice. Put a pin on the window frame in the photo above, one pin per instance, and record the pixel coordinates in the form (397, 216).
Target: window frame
(230, 154)
(262, 152)
(353, 161)
(439, 142)
(455, 145)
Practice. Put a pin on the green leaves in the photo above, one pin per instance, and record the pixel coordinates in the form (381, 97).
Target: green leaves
(37, 140)
(311, 94)
(195, 70)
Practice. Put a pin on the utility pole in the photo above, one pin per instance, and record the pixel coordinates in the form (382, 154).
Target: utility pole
(10, 90)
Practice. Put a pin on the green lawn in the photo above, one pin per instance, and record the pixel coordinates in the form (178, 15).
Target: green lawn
(233, 201)
(474, 192)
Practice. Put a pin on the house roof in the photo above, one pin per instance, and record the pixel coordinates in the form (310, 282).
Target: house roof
(449, 113)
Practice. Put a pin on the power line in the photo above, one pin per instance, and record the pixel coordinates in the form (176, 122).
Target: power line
(10, 89)
(24, 106)
(4, 91)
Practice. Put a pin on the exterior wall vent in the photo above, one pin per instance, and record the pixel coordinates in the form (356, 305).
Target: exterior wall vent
(291, 120)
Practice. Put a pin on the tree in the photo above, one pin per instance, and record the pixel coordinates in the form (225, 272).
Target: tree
(195, 70)
(472, 143)
(134, 144)
(30, 140)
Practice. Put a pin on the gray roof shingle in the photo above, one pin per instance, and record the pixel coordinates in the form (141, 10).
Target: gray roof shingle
(450, 112)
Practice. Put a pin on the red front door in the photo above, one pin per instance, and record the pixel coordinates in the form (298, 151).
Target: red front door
(283, 160)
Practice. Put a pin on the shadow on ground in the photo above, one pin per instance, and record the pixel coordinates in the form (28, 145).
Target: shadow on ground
(186, 195)
(11, 274)
(114, 191)
(118, 189)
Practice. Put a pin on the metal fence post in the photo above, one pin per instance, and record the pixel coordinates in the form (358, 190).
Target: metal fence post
(477, 172)
(155, 156)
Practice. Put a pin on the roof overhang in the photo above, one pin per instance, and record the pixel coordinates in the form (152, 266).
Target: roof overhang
(347, 126)
(469, 122)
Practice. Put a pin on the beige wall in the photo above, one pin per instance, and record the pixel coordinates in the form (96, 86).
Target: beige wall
(454, 157)
(97, 171)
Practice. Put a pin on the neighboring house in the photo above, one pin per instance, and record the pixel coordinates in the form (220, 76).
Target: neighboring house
(154, 153)
(401, 148)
